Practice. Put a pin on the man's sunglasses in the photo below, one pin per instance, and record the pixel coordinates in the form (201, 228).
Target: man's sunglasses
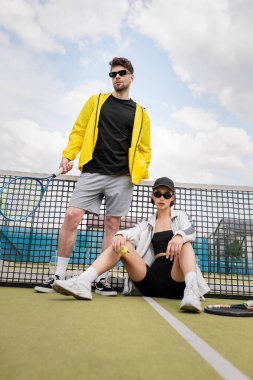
(158, 194)
(121, 73)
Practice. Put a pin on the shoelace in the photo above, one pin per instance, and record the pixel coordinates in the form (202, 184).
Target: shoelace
(106, 284)
(75, 281)
(50, 279)
(195, 292)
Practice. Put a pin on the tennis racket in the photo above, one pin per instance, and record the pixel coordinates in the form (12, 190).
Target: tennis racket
(21, 196)
(237, 310)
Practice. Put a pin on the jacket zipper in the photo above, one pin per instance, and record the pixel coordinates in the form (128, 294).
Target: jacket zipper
(137, 141)
(96, 119)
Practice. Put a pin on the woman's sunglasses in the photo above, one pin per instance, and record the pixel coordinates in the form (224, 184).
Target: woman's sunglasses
(158, 194)
(121, 73)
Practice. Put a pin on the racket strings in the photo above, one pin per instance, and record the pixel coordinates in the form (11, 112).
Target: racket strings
(20, 197)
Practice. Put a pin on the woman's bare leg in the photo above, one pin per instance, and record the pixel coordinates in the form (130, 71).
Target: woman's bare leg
(133, 263)
(184, 263)
(184, 269)
(106, 261)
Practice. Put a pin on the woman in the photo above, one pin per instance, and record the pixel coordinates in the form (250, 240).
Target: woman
(157, 254)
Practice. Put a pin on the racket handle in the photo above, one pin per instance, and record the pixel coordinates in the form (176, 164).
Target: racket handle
(60, 170)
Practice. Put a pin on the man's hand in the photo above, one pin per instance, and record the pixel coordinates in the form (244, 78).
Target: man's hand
(66, 164)
(174, 247)
(118, 242)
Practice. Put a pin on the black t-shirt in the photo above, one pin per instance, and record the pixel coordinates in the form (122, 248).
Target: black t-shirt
(115, 128)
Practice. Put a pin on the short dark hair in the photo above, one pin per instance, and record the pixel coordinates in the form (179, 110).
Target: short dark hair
(119, 61)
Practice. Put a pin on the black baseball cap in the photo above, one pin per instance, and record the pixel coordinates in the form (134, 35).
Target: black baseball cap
(164, 181)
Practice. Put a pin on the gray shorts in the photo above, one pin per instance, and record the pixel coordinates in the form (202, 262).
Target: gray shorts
(91, 188)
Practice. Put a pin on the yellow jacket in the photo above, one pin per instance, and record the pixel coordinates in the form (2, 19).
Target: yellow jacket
(83, 138)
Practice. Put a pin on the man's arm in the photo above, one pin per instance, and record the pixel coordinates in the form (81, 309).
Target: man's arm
(77, 133)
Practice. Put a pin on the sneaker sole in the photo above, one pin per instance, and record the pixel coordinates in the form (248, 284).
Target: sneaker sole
(191, 308)
(103, 293)
(39, 289)
(66, 292)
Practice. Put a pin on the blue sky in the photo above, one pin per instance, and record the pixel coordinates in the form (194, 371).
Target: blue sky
(193, 72)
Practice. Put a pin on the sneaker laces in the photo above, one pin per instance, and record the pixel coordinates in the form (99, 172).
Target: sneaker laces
(105, 283)
(75, 281)
(51, 279)
(195, 291)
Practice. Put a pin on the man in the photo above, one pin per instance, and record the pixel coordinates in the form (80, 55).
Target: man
(112, 134)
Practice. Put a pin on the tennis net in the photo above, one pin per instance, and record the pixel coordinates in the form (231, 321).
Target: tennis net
(222, 216)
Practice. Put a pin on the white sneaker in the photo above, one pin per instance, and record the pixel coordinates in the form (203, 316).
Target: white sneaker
(191, 301)
(81, 290)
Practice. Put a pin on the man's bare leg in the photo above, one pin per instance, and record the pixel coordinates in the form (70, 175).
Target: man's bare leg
(112, 224)
(66, 243)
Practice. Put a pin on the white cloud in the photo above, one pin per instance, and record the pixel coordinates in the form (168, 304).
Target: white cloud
(208, 152)
(20, 17)
(73, 101)
(25, 146)
(43, 27)
(31, 90)
(33, 103)
(209, 45)
(75, 20)
(206, 47)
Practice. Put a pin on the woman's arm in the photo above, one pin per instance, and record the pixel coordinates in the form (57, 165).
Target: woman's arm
(185, 228)
(131, 234)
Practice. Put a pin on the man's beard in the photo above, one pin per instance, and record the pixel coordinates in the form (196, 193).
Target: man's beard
(121, 88)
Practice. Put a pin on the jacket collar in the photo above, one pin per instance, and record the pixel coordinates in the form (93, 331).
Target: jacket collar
(152, 218)
(106, 95)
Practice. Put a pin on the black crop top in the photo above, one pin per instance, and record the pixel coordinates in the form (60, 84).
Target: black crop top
(160, 241)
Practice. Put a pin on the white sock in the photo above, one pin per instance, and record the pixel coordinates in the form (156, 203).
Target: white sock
(61, 267)
(103, 275)
(89, 275)
(190, 279)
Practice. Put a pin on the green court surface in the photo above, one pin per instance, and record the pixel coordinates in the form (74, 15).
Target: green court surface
(49, 336)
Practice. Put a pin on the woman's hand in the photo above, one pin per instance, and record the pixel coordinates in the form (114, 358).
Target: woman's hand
(118, 242)
(174, 247)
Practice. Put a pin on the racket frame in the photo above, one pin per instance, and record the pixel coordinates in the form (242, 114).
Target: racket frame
(43, 190)
(233, 310)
